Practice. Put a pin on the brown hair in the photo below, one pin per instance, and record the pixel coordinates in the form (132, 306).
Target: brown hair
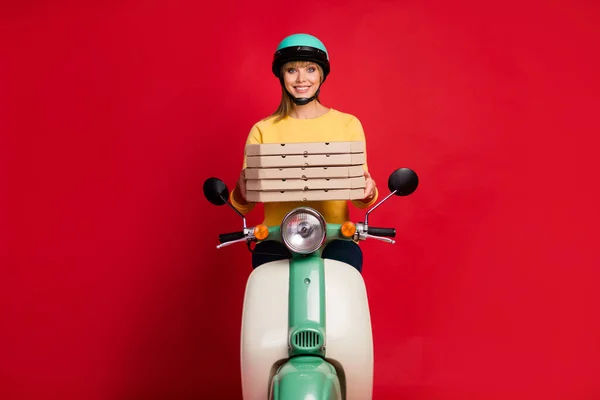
(286, 104)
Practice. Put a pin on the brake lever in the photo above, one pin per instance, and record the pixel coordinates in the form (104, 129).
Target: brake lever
(248, 238)
(383, 239)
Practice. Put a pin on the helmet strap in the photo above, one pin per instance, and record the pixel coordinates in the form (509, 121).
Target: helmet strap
(301, 101)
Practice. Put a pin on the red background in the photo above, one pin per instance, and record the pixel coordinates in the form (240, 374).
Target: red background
(111, 286)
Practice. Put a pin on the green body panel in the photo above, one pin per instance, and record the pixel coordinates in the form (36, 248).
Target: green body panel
(306, 307)
(306, 377)
(306, 312)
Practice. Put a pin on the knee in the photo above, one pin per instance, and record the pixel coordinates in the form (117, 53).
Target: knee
(268, 251)
(345, 251)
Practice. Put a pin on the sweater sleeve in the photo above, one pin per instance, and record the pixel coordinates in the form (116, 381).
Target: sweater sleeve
(357, 133)
(254, 137)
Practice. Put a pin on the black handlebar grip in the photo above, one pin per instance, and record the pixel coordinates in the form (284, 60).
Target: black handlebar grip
(387, 232)
(228, 237)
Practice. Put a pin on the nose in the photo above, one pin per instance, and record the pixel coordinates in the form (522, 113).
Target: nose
(300, 76)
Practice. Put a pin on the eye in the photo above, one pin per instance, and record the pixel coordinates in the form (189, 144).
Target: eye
(311, 69)
(291, 70)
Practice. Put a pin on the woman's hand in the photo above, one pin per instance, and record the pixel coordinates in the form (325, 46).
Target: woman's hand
(369, 188)
(239, 194)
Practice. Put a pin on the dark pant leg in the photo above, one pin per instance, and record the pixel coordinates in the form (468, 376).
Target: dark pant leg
(268, 251)
(345, 251)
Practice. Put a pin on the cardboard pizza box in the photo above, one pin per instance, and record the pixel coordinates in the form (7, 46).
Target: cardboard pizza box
(270, 149)
(305, 184)
(304, 195)
(313, 160)
(304, 172)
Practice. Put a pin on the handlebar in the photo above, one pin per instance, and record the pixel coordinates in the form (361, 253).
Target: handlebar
(229, 237)
(363, 232)
(386, 232)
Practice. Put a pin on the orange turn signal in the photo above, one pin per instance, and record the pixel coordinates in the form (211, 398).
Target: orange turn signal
(261, 232)
(348, 229)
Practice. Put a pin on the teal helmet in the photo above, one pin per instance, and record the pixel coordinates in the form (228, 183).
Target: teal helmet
(301, 47)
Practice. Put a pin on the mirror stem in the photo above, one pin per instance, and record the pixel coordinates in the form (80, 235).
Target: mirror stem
(234, 209)
(377, 205)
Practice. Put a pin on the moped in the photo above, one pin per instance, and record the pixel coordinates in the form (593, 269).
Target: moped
(306, 326)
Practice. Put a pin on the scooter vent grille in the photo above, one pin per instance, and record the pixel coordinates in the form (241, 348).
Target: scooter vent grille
(307, 340)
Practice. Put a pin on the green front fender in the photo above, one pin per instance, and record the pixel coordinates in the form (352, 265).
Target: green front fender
(306, 377)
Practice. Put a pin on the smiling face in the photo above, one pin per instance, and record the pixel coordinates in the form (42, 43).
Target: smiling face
(302, 78)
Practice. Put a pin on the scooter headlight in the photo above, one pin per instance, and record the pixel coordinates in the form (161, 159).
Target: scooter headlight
(303, 230)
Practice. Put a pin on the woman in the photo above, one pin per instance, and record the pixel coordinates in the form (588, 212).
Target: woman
(301, 63)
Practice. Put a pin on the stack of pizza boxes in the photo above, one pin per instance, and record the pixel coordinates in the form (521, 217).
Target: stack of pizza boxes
(279, 172)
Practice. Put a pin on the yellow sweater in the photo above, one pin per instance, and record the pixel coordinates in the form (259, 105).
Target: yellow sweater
(334, 126)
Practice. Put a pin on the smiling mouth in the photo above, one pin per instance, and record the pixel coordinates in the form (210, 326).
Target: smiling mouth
(301, 89)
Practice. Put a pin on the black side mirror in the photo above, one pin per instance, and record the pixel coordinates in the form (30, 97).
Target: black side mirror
(404, 181)
(216, 191)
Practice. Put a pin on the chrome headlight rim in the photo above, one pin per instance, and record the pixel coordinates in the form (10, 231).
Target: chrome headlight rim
(303, 210)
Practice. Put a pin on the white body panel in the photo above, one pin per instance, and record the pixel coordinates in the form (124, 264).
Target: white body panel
(264, 341)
